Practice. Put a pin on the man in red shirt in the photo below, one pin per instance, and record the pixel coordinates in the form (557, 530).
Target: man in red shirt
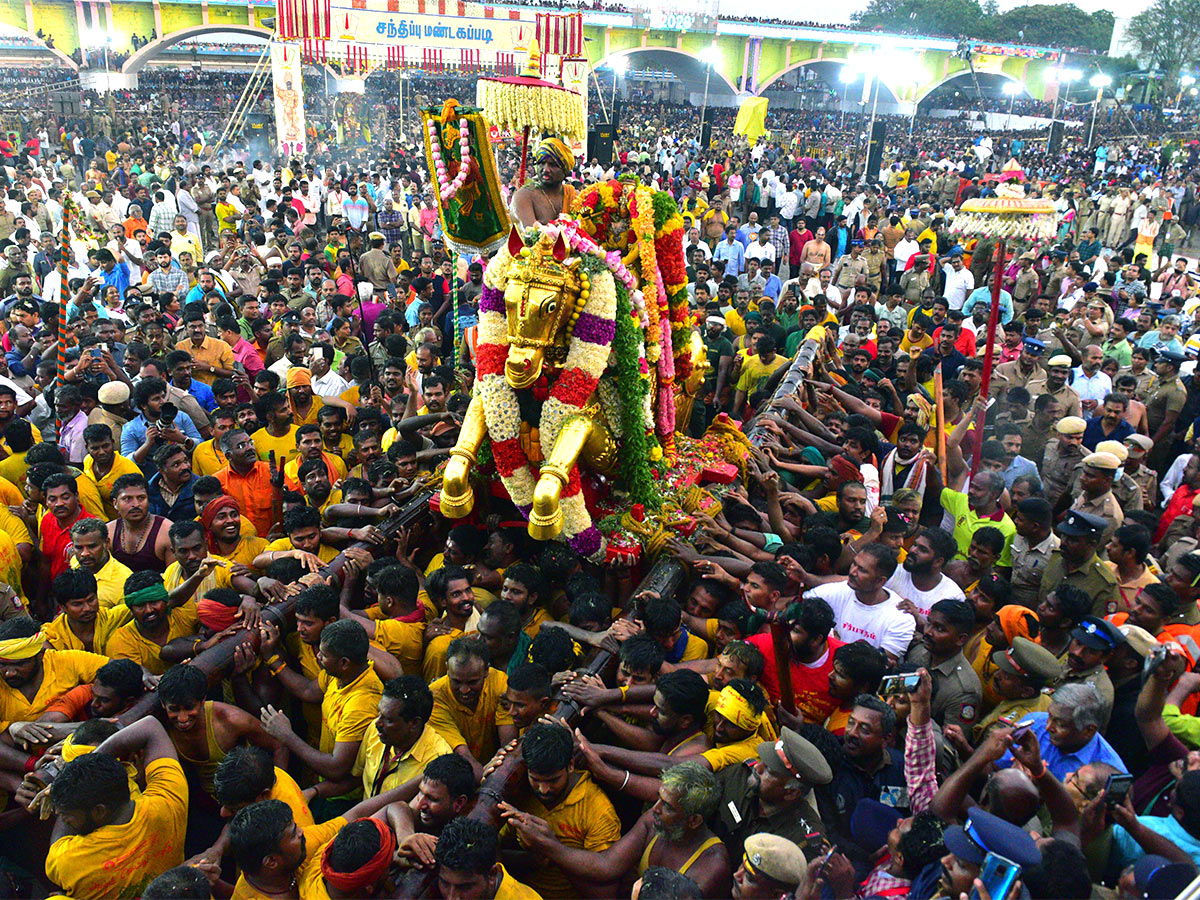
(810, 658)
(60, 495)
(797, 238)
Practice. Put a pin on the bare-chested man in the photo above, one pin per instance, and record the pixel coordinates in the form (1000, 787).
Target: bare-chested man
(545, 199)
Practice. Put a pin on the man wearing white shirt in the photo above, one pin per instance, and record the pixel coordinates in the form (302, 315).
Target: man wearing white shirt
(693, 240)
(959, 281)
(864, 609)
(1090, 383)
(904, 250)
(760, 248)
(920, 581)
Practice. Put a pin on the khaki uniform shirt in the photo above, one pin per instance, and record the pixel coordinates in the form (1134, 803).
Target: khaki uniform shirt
(1093, 578)
(1058, 463)
(1146, 479)
(851, 268)
(1026, 287)
(1106, 507)
(958, 691)
(1028, 563)
(739, 815)
(1167, 396)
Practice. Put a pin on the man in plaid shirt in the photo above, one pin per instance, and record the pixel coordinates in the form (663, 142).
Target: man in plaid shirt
(777, 237)
(166, 279)
(393, 223)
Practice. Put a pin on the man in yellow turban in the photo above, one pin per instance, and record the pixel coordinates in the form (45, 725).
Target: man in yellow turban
(544, 200)
(34, 676)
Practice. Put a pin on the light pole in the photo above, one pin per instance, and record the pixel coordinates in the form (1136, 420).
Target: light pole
(1065, 76)
(1099, 81)
(846, 76)
(99, 38)
(619, 67)
(1012, 88)
(709, 56)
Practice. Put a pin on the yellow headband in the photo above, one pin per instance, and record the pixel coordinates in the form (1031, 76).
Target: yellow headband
(737, 709)
(21, 649)
(71, 750)
(557, 150)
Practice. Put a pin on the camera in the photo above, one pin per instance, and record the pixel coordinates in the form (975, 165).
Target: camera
(166, 417)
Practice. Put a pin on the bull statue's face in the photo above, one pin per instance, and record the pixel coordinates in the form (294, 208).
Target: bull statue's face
(534, 318)
(539, 299)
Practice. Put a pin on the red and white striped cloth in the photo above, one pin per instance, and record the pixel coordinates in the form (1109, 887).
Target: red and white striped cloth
(433, 60)
(505, 64)
(470, 60)
(560, 35)
(442, 7)
(356, 58)
(303, 19)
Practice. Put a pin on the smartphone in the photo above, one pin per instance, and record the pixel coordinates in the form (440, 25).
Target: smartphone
(899, 684)
(1117, 789)
(998, 876)
(1019, 732)
(95, 353)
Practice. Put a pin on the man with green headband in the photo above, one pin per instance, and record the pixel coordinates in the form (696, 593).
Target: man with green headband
(154, 623)
(545, 199)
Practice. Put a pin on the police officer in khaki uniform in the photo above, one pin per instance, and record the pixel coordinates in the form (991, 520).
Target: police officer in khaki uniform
(1127, 491)
(1096, 476)
(1138, 445)
(771, 867)
(1093, 641)
(849, 267)
(876, 263)
(1055, 384)
(1164, 404)
(1025, 367)
(958, 692)
(772, 796)
(1025, 669)
(1027, 283)
(1061, 457)
(1075, 562)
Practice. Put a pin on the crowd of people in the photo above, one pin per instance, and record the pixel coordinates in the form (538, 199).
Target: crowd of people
(985, 602)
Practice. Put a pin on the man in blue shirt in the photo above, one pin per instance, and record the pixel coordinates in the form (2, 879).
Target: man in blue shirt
(773, 286)
(179, 368)
(112, 272)
(1181, 827)
(983, 294)
(142, 435)
(1068, 734)
(1110, 424)
(731, 253)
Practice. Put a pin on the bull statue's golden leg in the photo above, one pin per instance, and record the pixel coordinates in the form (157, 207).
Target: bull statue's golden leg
(457, 496)
(581, 437)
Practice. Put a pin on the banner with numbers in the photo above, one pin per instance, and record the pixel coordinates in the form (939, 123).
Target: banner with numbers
(288, 90)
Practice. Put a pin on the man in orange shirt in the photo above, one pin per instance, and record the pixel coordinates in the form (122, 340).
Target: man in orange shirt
(257, 486)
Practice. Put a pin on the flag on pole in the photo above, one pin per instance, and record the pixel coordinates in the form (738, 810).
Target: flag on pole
(304, 18)
(560, 35)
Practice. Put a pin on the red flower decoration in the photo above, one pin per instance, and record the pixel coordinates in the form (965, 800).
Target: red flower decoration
(491, 359)
(541, 389)
(508, 456)
(574, 387)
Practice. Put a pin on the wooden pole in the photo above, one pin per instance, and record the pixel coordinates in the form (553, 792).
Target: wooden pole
(64, 263)
(782, 646)
(989, 355)
(524, 156)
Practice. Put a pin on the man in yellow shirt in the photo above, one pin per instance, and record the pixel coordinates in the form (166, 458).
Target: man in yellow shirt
(278, 434)
(248, 775)
(279, 858)
(109, 844)
(401, 743)
(155, 624)
(93, 554)
(467, 711)
(400, 628)
(82, 623)
(302, 525)
(663, 621)
(346, 687)
(195, 571)
(34, 677)
(468, 859)
(104, 465)
(310, 445)
(757, 369)
(575, 807)
(207, 458)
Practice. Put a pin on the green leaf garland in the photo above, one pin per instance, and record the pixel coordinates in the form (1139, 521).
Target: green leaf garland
(632, 388)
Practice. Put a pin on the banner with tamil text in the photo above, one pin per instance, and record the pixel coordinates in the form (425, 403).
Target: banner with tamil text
(417, 32)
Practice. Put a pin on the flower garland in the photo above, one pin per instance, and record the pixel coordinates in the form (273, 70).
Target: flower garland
(633, 387)
(448, 188)
(517, 103)
(587, 358)
(643, 226)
